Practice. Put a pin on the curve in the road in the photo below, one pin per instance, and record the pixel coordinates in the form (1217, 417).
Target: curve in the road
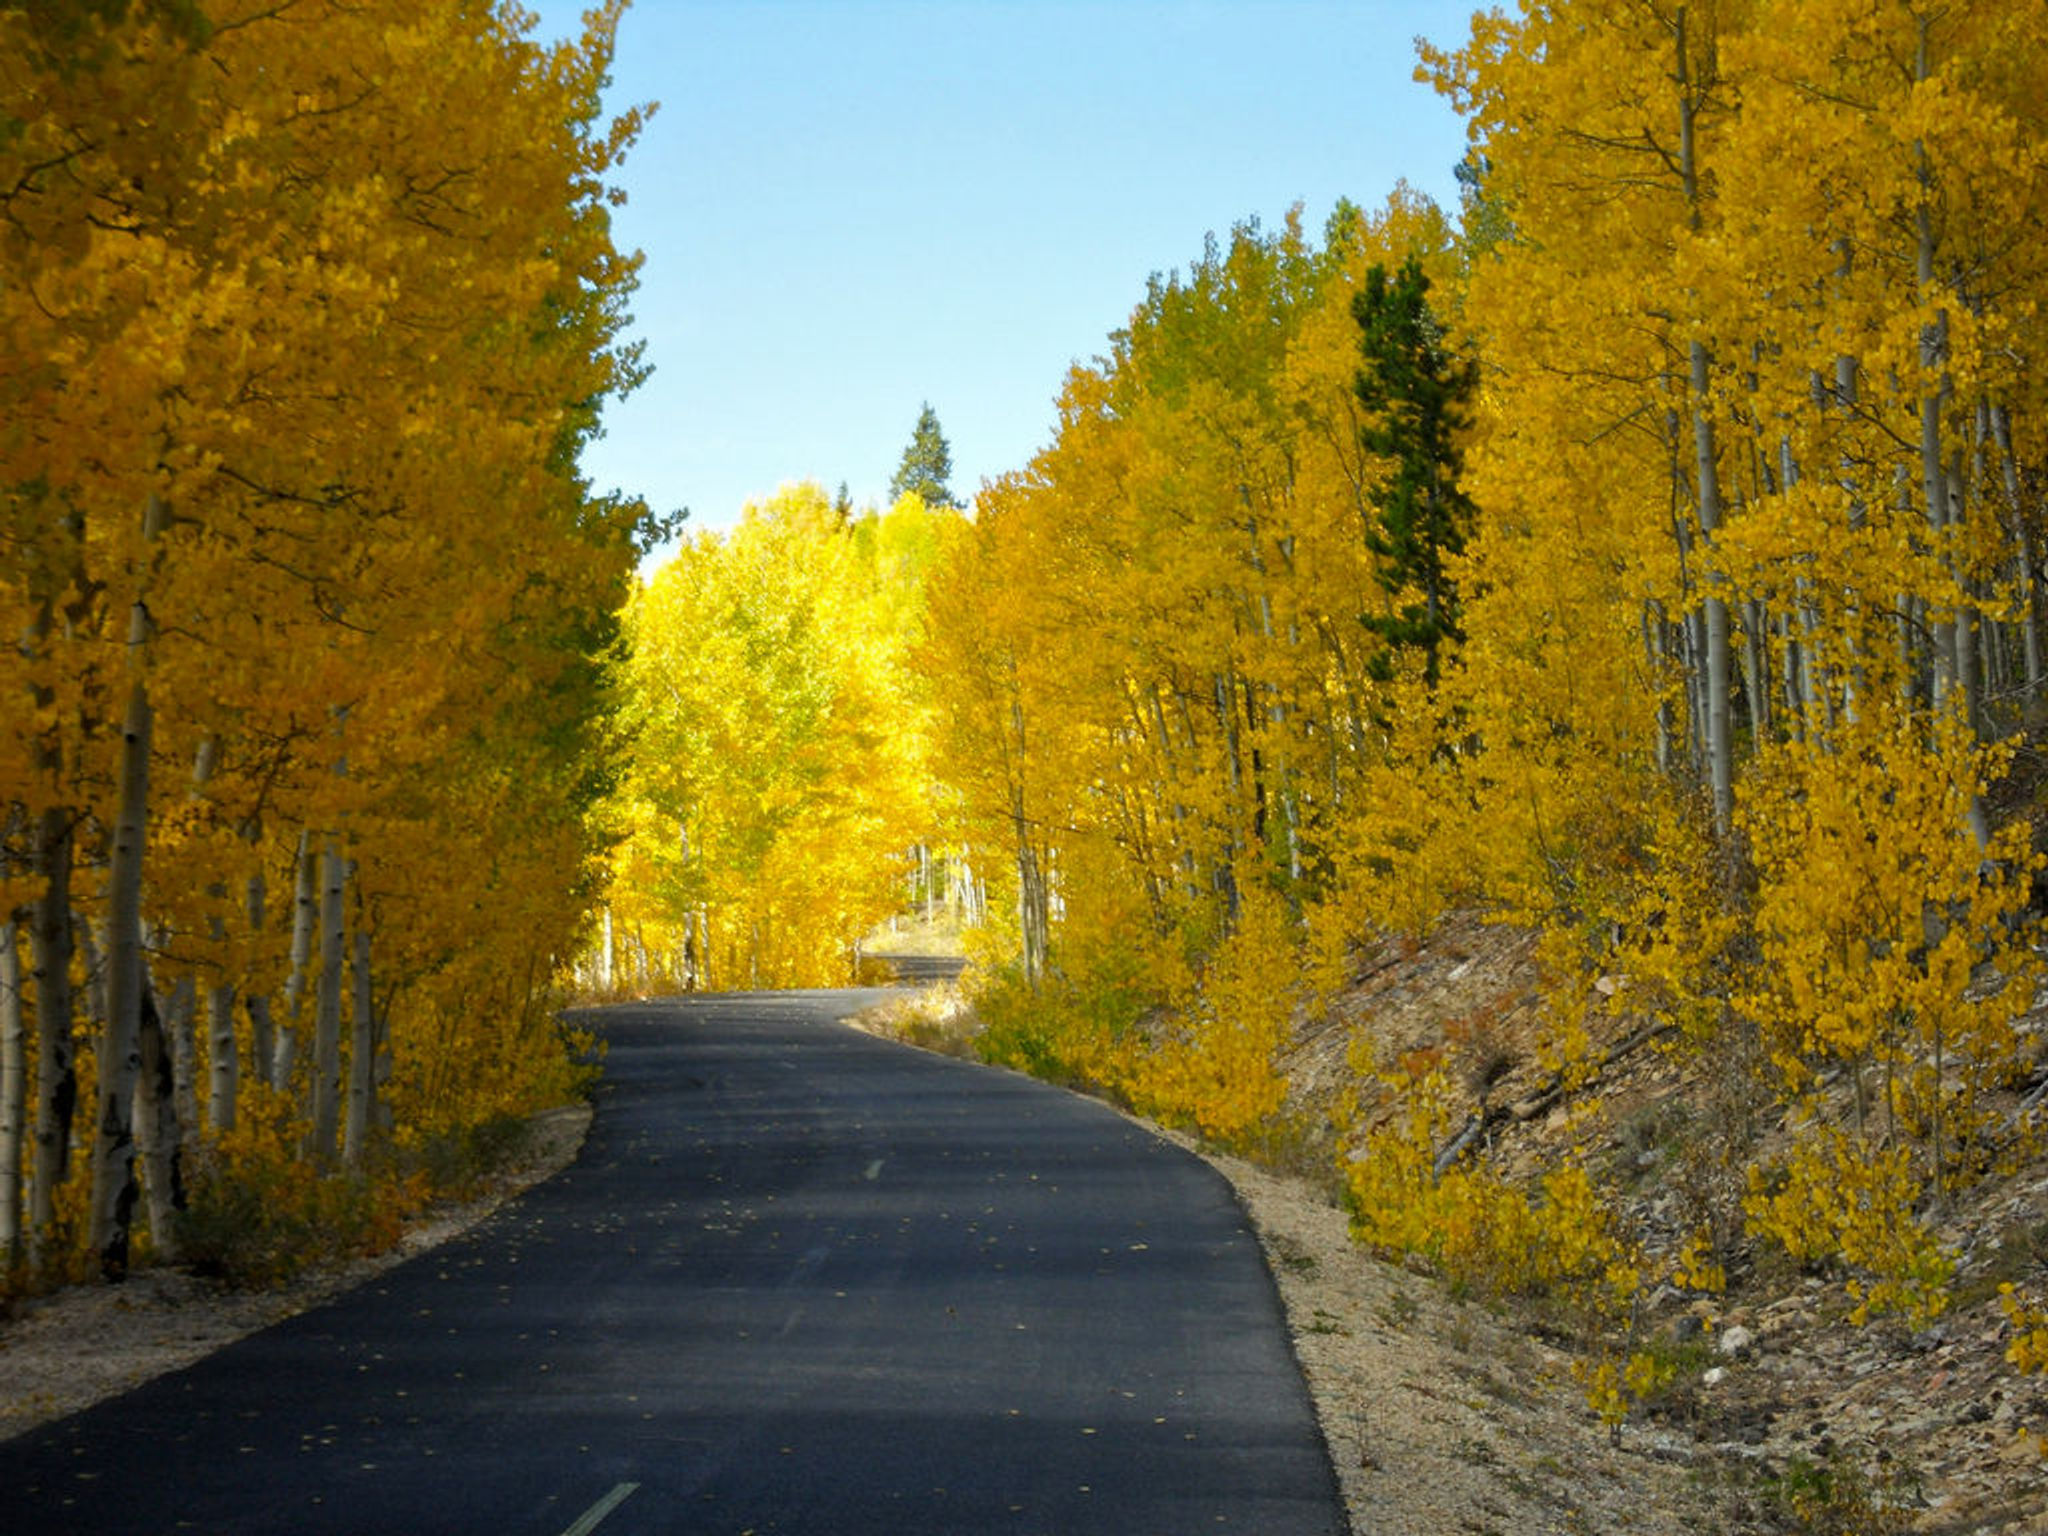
(800, 1280)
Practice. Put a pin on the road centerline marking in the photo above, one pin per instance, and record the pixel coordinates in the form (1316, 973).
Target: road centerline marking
(589, 1520)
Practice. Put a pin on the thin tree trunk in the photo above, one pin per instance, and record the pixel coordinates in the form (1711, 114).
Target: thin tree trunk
(94, 961)
(50, 941)
(181, 1038)
(157, 1125)
(262, 1040)
(327, 1007)
(223, 1060)
(362, 1062)
(1718, 731)
(1968, 677)
(2023, 541)
(120, 1060)
(1933, 363)
(305, 918)
(13, 1093)
(1653, 658)
(1719, 723)
(1756, 671)
(1032, 915)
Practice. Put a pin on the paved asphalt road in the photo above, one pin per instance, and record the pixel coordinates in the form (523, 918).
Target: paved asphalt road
(800, 1280)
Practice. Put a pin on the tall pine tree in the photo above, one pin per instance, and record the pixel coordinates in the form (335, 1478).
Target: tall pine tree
(1415, 390)
(927, 465)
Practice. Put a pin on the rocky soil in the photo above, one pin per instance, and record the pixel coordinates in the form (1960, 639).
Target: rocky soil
(1877, 1428)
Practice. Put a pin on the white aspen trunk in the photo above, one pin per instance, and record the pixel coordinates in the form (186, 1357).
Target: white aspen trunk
(181, 1037)
(1968, 678)
(327, 1007)
(1933, 358)
(13, 1092)
(1032, 917)
(223, 1060)
(1694, 633)
(362, 1061)
(607, 955)
(49, 942)
(2023, 537)
(50, 945)
(1653, 662)
(1992, 646)
(305, 917)
(1814, 702)
(158, 1128)
(1225, 877)
(1718, 731)
(1756, 669)
(1797, 680)
(1719, 723)
(120, 1060)
(261, 1040)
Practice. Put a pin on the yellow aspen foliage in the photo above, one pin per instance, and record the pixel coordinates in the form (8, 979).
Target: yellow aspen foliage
(2029, 1348)
(776, 759)
(1217, 1063)
(1837, 1197)
(1876, 906)
(1744, 584)
(1164, 674)
(1558, 1240)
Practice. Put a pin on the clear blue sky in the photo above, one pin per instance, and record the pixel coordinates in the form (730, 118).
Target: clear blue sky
(850, 207)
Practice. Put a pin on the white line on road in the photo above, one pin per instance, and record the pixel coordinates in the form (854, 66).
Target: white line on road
(588, 1521)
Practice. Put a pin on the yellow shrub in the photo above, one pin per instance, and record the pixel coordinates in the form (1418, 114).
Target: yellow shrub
(1839, 1198)
(1480, 1231)
(1218, 1066)
(2029, 1348)
(259, 1213)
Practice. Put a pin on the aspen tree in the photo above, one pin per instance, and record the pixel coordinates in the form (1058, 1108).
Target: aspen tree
(327, 995)
(119, 1061)
(362, 1061)
(50, 950)
(305, 918)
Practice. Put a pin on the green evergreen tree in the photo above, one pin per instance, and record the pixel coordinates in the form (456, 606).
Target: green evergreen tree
(927, 464)
(1415, 390)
